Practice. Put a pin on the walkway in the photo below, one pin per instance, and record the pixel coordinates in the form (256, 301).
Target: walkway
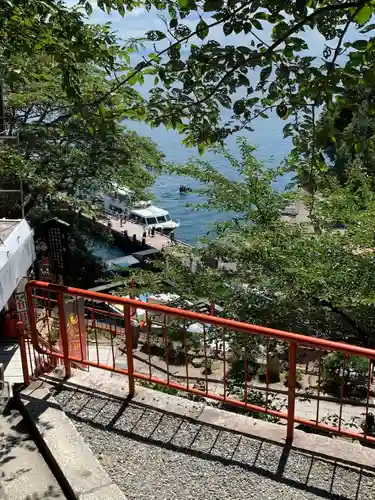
(10, 358)
(24, 475)
(352, 415)
(156, 455)
(158, 241)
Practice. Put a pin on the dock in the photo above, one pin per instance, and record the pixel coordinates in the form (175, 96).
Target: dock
(158, 241)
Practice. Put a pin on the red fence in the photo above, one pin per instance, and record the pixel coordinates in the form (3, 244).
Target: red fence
(235, 364)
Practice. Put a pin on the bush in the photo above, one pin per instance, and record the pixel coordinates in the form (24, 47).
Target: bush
(236, 374)
(353, 379)
(299, 377)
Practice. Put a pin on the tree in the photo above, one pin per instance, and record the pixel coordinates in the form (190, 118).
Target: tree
(64, 157)
(31, 27)
(53, 68)
(346, 134)
(308, 277)
(272, 70)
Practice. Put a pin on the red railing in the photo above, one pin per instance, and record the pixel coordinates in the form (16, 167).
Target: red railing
(213, 358)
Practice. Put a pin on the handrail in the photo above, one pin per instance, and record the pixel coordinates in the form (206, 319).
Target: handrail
(305, 340)
(73, 350)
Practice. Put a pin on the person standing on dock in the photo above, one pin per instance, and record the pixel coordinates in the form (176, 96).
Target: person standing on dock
(153, 231)
(172, 237)
(144, 235)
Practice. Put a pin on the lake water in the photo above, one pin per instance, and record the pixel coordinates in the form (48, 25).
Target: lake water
(272, 148)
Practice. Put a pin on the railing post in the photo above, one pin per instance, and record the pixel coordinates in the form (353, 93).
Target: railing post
(22, 344)
(64, 334)
(31, 315)
(291, 390)
(129, 349)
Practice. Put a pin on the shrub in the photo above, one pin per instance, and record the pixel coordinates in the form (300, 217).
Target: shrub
(353, 378)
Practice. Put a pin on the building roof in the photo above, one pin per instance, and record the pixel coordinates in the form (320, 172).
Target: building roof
(126, 261)
(6, 228)
(17, 254)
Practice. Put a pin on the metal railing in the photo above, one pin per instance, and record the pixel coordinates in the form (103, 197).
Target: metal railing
(211, 358)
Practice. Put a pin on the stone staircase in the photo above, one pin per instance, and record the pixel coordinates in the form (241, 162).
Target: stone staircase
(24, 475)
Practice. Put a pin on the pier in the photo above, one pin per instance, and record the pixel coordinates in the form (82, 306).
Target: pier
(158, 241)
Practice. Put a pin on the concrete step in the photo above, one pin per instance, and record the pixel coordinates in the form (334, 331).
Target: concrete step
(24, 475)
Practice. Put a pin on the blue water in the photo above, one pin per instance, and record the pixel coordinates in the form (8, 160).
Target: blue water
(272, 149)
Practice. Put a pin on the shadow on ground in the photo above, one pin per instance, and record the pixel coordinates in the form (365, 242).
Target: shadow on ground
(21, 476)
(151, 454)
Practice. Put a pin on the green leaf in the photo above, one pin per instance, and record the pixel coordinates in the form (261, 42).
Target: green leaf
(265, 73)
(301, 7)
(155, 35)
(177, 65)
(239, 107)
(227, 28)
(363, 15)
(282, 110)
(256, 24)
(88, 8)
(202, 29)
(133, 79)
(243, 80)
(213, 5)
(359, 44)
(154, 57)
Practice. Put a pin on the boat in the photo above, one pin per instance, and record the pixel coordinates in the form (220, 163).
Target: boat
(153, 216)
(120, 204)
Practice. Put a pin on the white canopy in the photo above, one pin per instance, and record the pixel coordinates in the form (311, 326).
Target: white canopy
(151, 211)
(17, 254)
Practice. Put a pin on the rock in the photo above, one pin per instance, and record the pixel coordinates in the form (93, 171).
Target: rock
(367, 424)
(200, 385)
(198, 362)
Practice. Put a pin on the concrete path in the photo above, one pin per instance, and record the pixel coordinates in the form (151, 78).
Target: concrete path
(329, 411)
(10, 358)
(24, 475)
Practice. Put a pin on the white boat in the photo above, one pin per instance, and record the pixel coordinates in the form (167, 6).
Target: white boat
(153, 216)
(121, 204)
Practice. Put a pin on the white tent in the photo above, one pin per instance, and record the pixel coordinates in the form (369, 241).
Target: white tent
(17, 254)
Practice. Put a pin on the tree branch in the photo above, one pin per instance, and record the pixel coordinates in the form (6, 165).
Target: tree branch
(291, 31)
(162, 52)
(365, 335)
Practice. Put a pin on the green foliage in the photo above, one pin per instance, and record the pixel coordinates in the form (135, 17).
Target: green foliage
(346, 133)
(156, 387)
(305, 275)
(30, 27)
(64, 157)
(274, 66)
(237, 374)
(348, 374)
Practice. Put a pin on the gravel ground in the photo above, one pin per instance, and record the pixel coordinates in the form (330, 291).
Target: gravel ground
(151, 455)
